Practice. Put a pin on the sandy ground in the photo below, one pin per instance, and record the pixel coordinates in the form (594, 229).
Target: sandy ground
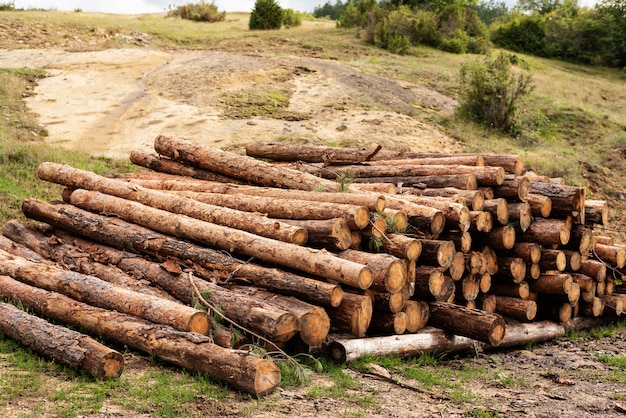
(110, 102)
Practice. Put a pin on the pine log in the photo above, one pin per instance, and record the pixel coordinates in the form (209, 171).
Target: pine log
(485, 176)
(75, 259)
(561, 312)
(530, 252)
(485, 282)
(468, 160)
(553, 260)
(557, 284)
(239, 167)
(411, 183)
(123, 235)
(437, 252)
(281, 208)
(462, 239)
(385, 188)
(593, 268)
(487, 303)
(474, 199)
(328, 233)
(420, 216)
(513, 188)
(377, 226)
(387, 302)
(533, 271)
(564, 198)
(353, 315)
(498, 209)
(165, 165)
(417, 314)
(304, 259)
(596, 212)
(519, 309)
(475, 263)
(388, 323)
(512, 268)
(431, 283)
(64, 345)
(520, 213)
(514, 290)
(548, 232)
(574, 260)
(478, 221)
(614, 255)
(103, 294)
(455, 213)
(192, 351)
(310, 153)
(253, 223)
(500, 238)
(540, 206)
(457, 267)
(313, 321)
(469, 287)
(388, 272)
(601, 239)
(490, 260)
(472, 323)
(488, 222)
(584, 282)
(595, 308)
(401, 246)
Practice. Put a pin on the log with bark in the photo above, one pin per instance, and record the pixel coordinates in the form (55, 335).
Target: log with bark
(500, 238)
(553, 260)
(521, 214)
(388, 324)
(399, 245)
(281, 208)
(190, 350)
(498, 209)
(596, 212)
(305, 259)
(126, 236)
(540, 205)
(238, 166)
(388, 272)
(614, 255)
(420, 216)
(67, 346)
(409, 184)
(512, 268)
(455, 213)
(565, 199)
(437, 252)
(548, 232)
(516, 308)
(513, 188)
(250, 222)
(472, 323)
(92, 290)
(474, 199)
(594, 269)
(387, 302)
(514, 290)
(353, 315)
(166, 165)
(417, 314)
(432, 284)
(332, 233)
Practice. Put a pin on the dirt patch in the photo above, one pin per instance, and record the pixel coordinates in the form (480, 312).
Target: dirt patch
(113, 101)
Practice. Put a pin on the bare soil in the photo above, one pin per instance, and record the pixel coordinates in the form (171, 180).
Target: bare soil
(110, 102)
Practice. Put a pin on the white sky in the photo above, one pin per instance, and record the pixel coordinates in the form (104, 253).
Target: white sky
(155, 6)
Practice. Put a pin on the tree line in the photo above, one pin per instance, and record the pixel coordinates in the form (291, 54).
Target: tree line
(560, 29)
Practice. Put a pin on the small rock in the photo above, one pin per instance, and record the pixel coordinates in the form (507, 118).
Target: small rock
(342, 127)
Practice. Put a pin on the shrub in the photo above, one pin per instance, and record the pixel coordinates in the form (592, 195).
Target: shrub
(199, 12)
(267, 14)
(490, 91)
(457, 43)
(291, 18)
(7, 6)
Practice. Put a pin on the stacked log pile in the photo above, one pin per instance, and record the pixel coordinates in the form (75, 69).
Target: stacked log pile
(305, 251)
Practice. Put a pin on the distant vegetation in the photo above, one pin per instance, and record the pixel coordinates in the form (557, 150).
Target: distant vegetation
(267, 14)
(547, 28)
(199, 12)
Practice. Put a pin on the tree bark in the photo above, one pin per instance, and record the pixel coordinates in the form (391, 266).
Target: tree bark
(357, 216)
(521, 213)
(498, 209)
(613, 254)
(530, 252)
(420, 216)
(387, 302)
(596, 212)
(239, 167)
(455, 213)
(437, 252)
(401, 246)
(250, 222)
(519, 309)
(474, 199)
(564, 198)
(353, 315)
(126, 236)
(294, 256)
(313, 321)
(465, 181)
(310, 153)
(75, 259)
(191, 351)
(388, 272)
(513, 188)
(103, 294)
(513, 268)
(166, 165)
(500, 238)
(540, 205)
(329, 233)
(471, 323)
(553, 260)
(66, 346)
(388, 324)
(556, 284)
(593, 268)
(513, 290)
(548, 232)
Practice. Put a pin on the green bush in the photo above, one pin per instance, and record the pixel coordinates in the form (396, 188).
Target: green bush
(267, 14)
(199, 12)
(425, 28)
(490, 91)
(291, 18)
(458, 43)
(7, 6)
(398, 44)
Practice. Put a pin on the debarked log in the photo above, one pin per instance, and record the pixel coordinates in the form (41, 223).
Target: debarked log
(190, 350)
(64, 345)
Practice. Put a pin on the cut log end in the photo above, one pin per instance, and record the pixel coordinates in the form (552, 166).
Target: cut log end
(336, 296)
(314, 327)
(365, 278)
(111, 366)
(266, 377)
(199, 322)
(497, 331)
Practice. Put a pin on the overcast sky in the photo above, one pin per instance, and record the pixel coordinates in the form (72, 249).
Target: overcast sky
(155, 6)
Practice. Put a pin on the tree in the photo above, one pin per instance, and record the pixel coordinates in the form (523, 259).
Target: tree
(267, 14)
(490, 90)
